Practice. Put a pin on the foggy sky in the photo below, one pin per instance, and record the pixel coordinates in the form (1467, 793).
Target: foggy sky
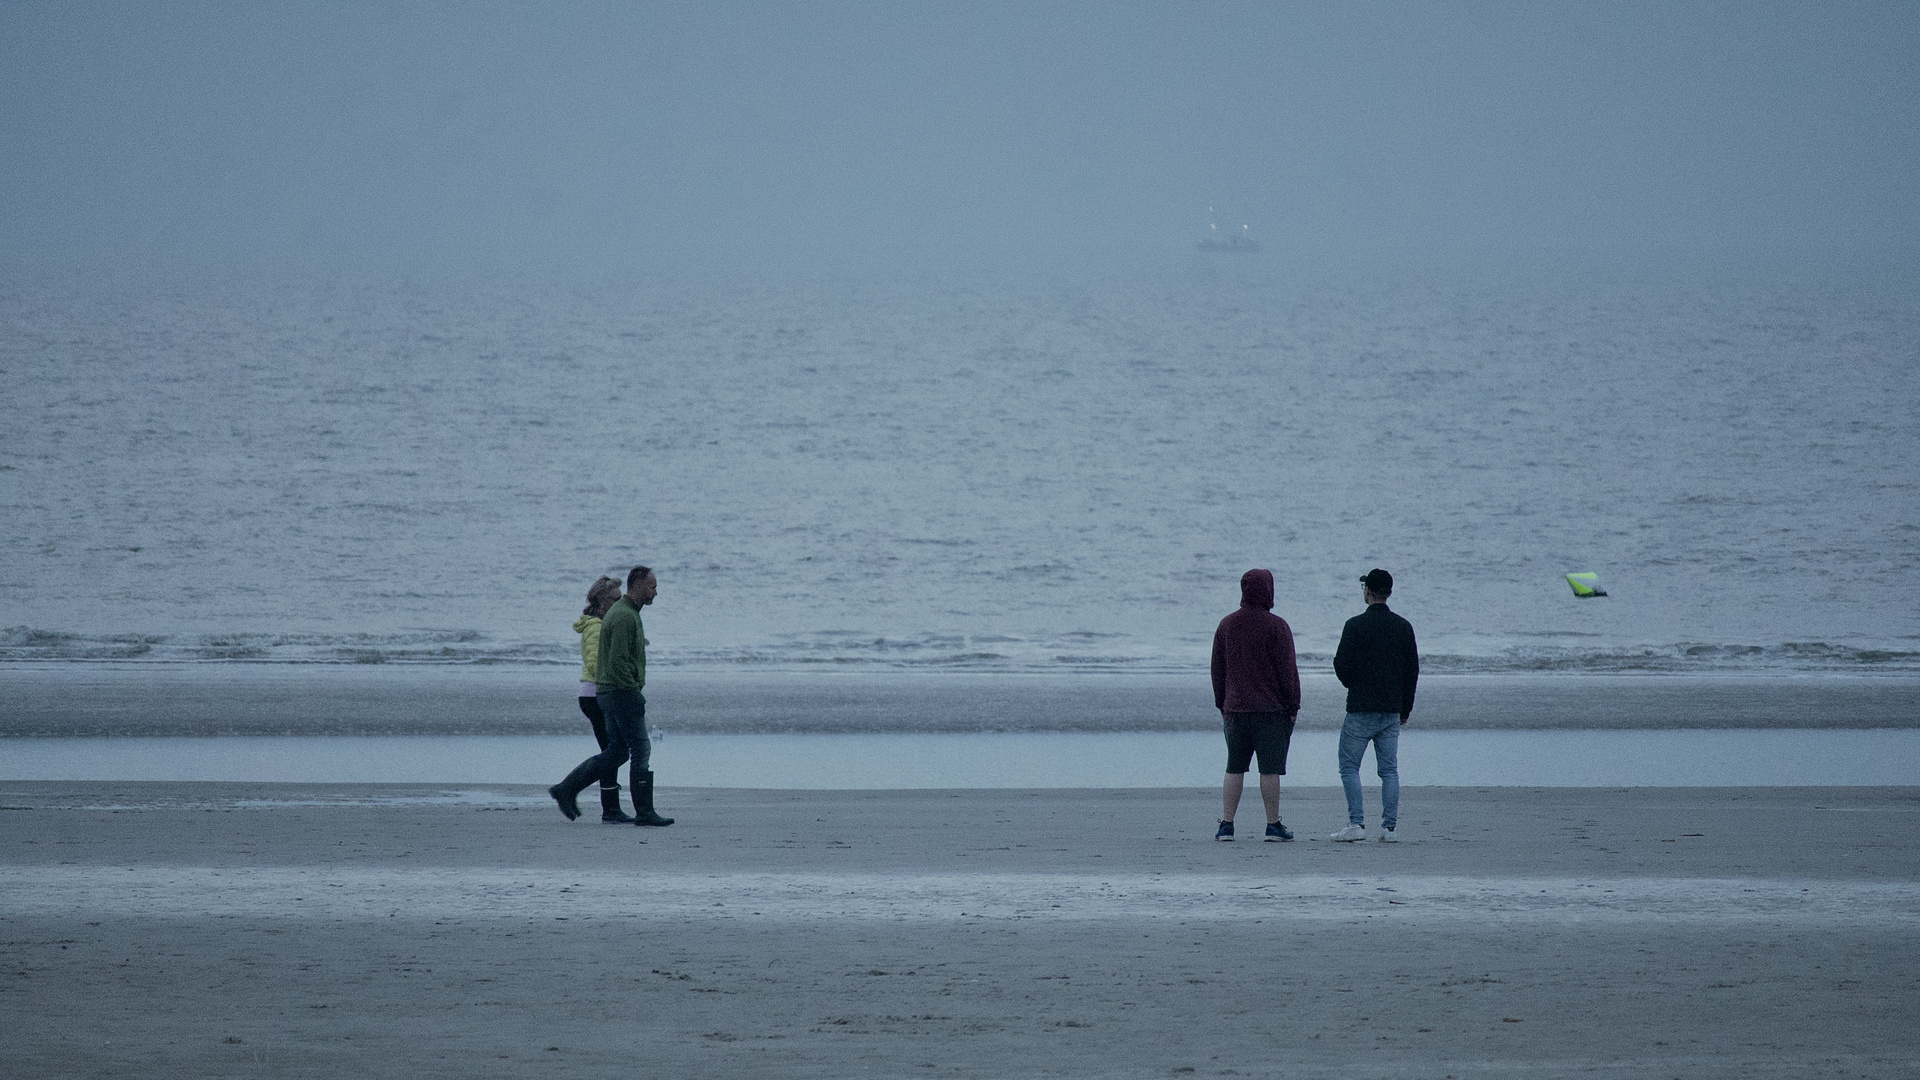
(488, 137)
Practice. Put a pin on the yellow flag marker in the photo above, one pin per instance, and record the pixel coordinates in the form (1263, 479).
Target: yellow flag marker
(1586, 584)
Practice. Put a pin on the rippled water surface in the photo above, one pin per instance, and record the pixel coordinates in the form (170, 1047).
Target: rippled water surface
(961, 471)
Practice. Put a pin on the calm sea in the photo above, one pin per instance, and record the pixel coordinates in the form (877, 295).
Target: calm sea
(962, 472)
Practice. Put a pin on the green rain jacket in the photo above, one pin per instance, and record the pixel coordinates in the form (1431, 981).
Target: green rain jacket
(623, 649)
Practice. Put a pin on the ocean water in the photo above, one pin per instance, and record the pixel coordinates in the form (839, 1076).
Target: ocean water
(962, 471)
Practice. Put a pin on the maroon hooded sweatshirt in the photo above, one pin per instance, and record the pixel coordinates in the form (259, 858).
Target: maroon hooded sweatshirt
(1253, 665)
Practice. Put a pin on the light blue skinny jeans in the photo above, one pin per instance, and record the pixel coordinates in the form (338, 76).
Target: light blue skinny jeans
(1382, 729)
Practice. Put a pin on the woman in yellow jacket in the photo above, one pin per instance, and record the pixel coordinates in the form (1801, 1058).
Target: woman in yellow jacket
(600, 597)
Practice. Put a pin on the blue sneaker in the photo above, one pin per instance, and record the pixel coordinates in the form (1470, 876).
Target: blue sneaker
(1225, 832)
(1276, 832)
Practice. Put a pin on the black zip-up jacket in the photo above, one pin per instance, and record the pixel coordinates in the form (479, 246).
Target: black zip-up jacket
(1378, 662)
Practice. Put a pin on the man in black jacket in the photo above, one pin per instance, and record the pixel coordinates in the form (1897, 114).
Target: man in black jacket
(1378, 663)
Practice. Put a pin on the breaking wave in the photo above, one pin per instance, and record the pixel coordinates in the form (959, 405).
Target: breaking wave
(1081, 651)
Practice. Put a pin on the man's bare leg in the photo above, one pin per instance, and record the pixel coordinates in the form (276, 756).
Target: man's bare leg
(1230, 790)
(1270, 794)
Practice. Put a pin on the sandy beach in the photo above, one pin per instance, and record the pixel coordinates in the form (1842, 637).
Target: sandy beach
(162, 700)
(217, 930)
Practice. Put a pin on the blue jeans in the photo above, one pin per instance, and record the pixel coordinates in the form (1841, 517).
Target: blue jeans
(626, 719)
(1382, 729)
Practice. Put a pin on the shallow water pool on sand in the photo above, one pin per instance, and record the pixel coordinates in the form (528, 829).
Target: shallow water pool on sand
(1680, 758)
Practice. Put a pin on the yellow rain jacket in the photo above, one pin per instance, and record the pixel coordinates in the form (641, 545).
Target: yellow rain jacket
(588, 627)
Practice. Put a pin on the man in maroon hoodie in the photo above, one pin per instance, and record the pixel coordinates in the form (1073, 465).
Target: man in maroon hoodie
(1256, 687)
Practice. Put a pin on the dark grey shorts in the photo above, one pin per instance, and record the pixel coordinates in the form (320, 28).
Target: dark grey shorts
(1263, 733)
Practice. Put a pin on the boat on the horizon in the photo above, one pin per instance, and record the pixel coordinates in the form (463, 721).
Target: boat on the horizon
(1218, 239)
(1232, 241)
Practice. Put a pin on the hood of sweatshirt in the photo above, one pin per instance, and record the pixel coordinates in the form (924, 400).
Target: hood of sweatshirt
(1256, 589)
(580, 624)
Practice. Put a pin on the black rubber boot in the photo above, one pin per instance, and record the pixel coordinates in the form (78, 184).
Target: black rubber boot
(610, 811)
(643, 801)
(565, 798)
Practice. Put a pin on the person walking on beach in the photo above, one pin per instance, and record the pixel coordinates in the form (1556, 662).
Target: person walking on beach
(1378, 663)
(1256, 687)
(619, 675)
(600, 597)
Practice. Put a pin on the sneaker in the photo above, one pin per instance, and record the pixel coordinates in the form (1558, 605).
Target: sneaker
(1387, 836)
(1350, 833)
(1225, 832)
(1277, 831)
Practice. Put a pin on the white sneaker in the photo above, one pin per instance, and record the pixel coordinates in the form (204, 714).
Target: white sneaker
(1387, 837)
(1351, 832)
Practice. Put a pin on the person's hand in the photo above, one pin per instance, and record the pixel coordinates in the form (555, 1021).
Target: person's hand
(1403, 718)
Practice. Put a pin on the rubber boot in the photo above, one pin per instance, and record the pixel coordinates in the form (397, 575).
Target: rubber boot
(567, 792)
(643, 801)
(610, 811)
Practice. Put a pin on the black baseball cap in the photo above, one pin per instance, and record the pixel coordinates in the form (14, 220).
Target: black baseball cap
(1378, 582)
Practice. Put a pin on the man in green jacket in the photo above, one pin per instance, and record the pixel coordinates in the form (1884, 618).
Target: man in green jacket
(621, 674)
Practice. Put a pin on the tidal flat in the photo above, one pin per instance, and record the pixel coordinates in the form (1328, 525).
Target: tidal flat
(253, 929)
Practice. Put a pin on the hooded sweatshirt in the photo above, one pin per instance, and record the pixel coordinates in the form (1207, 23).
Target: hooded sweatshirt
(1253, 663)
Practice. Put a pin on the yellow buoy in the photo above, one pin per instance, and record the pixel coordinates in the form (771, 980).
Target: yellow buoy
(1586, 584)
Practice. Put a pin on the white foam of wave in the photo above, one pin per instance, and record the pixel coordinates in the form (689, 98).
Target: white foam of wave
(1071, 652)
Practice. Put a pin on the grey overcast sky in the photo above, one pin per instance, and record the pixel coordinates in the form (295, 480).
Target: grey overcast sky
(481, 137)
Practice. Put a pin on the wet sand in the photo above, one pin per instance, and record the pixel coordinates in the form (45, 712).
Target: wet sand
(382, 930)
(1817, 757)
(155, 700)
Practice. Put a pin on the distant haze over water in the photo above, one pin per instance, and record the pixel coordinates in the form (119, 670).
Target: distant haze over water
(962, 470)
